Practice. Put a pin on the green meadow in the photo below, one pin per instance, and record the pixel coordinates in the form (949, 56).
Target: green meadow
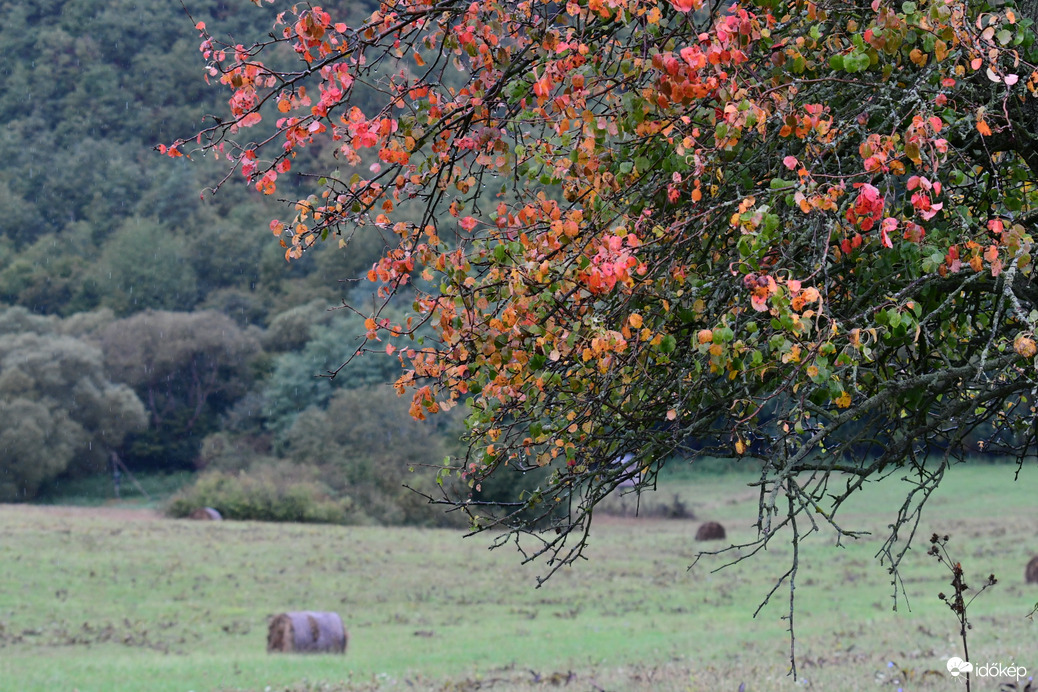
(110, 599)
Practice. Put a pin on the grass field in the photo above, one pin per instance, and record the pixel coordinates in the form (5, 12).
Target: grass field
(97, 490)
(107, 599)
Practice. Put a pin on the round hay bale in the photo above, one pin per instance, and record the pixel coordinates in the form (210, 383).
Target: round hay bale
(710, 531)
(1031, 573)
(307, 632)
(206, 514)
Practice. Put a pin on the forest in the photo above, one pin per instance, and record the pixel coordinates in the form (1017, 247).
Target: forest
(144, 317)
(153, 325)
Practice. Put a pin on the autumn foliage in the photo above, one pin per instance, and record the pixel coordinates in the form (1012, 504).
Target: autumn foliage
(797, 231)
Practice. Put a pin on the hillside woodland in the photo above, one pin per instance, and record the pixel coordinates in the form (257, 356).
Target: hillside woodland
(142, 316)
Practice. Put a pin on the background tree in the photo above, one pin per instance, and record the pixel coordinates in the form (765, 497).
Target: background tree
(187, 368)
(144, 267)
(788, 230)
(62, 413)
(363, 444)
(300, 378)
(92, 219)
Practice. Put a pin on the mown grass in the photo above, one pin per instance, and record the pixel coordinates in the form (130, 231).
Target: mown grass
(93, 602)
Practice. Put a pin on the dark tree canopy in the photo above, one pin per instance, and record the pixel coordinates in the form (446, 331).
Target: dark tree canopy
(186, 368)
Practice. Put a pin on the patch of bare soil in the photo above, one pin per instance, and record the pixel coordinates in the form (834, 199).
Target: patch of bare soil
(120, 513)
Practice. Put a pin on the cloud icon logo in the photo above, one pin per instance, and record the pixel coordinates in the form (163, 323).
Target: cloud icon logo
(956, 666)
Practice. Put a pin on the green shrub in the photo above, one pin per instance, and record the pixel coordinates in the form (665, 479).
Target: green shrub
(364, 446)
(270, 493)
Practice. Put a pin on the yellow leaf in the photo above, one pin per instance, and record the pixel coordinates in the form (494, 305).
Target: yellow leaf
(1025, 346)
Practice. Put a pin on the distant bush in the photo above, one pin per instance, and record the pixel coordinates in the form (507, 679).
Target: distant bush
(364, 446)
(270, 493)
(231, 453)
(363, 453)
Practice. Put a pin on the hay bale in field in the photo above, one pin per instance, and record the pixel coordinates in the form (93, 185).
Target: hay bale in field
(307, 632)
(710, 531)
(206, 514)
(1031, 573)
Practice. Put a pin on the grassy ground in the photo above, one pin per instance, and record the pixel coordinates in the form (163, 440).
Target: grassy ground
(98, 490)
(107, 600)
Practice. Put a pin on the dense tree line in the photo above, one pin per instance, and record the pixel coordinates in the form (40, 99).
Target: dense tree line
(62, 413)
(93, 218)
(141, 316)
